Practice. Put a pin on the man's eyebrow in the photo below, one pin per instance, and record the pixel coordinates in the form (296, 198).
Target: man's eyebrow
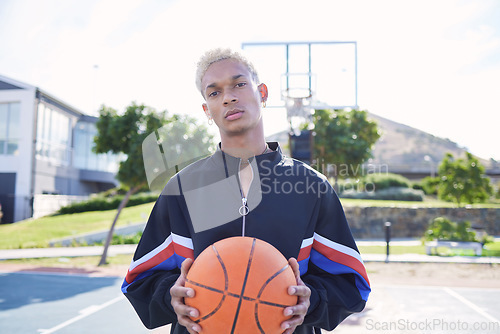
(234, 77)
(237, 76)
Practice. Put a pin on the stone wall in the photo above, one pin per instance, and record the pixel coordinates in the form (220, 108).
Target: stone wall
(412, 222)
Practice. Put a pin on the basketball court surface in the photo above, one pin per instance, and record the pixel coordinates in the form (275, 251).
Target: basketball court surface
(32, 302)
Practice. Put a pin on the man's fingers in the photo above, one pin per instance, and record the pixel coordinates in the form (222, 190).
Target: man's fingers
(181, 292)
(299, 309)
(291, 324)
(295, 267)
(191, 326)
(184, 310)
(186, 264)
(299, 290)
(178, 292)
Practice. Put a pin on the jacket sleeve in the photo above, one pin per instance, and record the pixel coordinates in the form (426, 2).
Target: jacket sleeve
(156, 265)
(335, 271)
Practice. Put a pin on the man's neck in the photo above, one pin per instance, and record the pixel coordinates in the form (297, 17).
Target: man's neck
(243, 148)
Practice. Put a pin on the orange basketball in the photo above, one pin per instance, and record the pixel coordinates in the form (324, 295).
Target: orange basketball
(240, 287)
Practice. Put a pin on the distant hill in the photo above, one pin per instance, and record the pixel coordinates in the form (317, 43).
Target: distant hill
(402, 145)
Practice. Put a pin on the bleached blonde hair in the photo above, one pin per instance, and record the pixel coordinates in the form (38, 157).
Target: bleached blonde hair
(218, 54)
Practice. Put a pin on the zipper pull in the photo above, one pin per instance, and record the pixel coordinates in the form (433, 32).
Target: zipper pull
(243, 210)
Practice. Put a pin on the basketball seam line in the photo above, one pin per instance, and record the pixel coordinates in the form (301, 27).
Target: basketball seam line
(250, 258)
(216, 308)
(256, 312)
(235, 295)
(226, 286)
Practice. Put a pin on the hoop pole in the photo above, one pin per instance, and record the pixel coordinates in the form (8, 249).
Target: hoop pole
(356, 74)
(310, 84)
(287, 67)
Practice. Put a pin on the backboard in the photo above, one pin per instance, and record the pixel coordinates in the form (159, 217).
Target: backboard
(324, 73)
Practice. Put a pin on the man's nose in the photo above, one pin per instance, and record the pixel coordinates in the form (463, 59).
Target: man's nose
(229, 97)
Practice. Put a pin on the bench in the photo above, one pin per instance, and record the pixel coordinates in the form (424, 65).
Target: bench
(477, 247)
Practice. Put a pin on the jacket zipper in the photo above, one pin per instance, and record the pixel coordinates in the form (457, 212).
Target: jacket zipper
(243, 210)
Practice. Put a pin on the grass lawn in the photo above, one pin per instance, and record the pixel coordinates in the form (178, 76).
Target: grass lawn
(392, 249)
(492, 249)
(428, 203)
(39, 232)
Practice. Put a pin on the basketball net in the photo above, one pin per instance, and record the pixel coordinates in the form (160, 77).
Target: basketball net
(298, 110)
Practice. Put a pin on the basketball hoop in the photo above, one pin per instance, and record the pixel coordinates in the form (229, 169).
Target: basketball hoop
(298, 107)
(297, 91)
(297, 101)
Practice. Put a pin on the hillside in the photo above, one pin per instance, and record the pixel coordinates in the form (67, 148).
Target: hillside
(401, 144)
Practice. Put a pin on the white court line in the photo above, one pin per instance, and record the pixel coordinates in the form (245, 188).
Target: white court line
(83, 314)
(471, 305)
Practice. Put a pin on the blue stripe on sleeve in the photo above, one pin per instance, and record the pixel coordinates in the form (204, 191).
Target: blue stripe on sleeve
(335, 268)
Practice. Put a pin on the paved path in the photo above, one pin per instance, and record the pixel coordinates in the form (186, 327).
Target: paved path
(26, 253)
(30, 253)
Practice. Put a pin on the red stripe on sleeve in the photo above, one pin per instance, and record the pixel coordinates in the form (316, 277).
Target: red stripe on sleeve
(154, 261)
(304, 253)
(342, 258)
(183, 251)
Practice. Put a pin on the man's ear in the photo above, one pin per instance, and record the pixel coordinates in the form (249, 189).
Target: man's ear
(205, 109)
(263, 92)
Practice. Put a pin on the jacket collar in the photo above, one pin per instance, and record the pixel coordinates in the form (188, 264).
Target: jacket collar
(231, 164)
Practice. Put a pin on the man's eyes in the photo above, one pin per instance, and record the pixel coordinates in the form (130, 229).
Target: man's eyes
(238, 85)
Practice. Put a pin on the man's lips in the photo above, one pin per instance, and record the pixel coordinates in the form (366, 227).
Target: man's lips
(233, 114)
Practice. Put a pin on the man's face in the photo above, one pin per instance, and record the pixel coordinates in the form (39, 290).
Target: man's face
(233, 99)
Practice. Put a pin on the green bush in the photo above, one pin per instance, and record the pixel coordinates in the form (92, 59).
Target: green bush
(417, 186)
(430, 185)
(381, 181)
(442, 228)
(113, 192)
(106, 203)
(132, 239)
(392, 194)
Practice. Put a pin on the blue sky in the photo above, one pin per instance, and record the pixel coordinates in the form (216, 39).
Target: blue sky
(433, 65)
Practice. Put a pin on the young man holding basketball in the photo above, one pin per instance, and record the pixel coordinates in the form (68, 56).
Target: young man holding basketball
(246, 188)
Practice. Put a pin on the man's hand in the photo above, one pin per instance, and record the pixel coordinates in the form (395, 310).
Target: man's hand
(178, 293)
(298, 311)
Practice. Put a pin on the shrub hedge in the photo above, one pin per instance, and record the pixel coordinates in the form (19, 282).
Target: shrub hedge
(392, 194)
(430, 185)
(382, 181)
(106, 203)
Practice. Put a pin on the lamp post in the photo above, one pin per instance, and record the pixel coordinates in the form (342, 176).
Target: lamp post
(387, 239)
(428, 158)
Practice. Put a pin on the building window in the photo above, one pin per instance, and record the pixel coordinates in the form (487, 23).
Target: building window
(9, 128)
(53, 135)
(84, 157)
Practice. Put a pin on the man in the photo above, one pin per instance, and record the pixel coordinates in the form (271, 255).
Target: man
(246, 188)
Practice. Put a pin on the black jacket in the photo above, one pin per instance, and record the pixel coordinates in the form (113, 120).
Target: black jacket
(289, 204)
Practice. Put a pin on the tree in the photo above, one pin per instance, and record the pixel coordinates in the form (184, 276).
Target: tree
(343, 138)
(463, 180)
(125, 134)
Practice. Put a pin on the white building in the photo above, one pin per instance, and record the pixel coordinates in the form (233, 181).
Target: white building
(46, 149)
